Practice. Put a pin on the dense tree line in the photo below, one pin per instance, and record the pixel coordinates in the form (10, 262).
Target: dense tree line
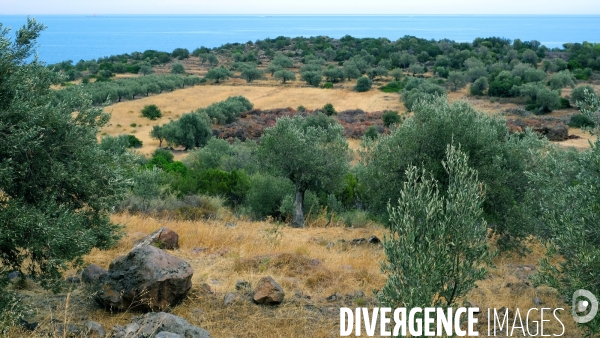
(129, 88)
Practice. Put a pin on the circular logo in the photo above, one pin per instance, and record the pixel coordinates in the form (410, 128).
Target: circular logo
(580, 306)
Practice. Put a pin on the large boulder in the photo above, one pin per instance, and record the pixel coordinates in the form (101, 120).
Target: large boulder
(154, 324)
(147, 279)
(268, 292)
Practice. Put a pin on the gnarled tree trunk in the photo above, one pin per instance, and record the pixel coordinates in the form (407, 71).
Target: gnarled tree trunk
(298, 221)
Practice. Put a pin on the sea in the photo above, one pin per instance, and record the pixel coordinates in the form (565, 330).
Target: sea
(75, 37)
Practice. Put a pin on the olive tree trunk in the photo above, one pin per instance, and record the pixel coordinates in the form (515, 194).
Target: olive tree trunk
(298, 221)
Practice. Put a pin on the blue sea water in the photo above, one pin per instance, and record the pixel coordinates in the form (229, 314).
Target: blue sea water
(75, 37)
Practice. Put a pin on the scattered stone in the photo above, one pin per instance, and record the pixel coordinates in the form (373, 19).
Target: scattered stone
(73, 280)
(358, 241)
(230, 225)
(70, 330)
(334, 297)
(164, 238)
(537, 301)
(329, 245)
(147, 279)
(268, 292)
(346, 267)
(196, 250)
(14, 275)
(214, 281)
(341, 241)
(358, 294)
(156, 322)
(27, 325)
(92, 273)
(231, 298)
(242, 285)
(374, 240)
(94, 330)
(205, 288)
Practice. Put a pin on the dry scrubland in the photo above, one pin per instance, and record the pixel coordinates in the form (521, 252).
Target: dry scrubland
(270, 94)
(301, 262)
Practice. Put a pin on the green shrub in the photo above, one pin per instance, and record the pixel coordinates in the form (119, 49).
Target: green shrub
(327, 85)
(232, 186)
(329, 110)
(134, 142)
(392, 87)
(479, 86)
(266, 194)
(151, 111)
(363, 84)
(177, 68)
(390, 118)
(301, 109)
(564, 103)
(371, 133)
(133, 125)
(580, 121)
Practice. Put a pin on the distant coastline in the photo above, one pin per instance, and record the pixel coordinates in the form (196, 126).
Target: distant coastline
(75, 37)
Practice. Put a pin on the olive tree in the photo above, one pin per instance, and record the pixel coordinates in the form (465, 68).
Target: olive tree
(284, 76)
(436, 248)
(251, 74)
(57, 186)
(218, 74)
(312, 78)
(177, 68)
(309, 156)
(456, 80)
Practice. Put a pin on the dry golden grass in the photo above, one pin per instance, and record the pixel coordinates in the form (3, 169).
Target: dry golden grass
(174, 104)
(301, 262)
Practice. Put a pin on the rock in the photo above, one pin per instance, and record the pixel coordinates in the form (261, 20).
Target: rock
(70, 330)
(152, 324)
(230, 225)
(73, 280)
(537, 301)
(147, 279)
(334, 297)
(329, 245)
(231, 298)
(27, 325)
(374, 240)
(164, 238)
(165, 334)
(358, 241)
(268, 292)
(205, 288)
(197, 250)
(92, 273)
(242, 285)
(14, 275)
(94, 330)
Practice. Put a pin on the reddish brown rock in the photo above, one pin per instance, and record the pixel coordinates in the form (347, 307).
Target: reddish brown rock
(268, 292)
(163, 238)
(147, 279)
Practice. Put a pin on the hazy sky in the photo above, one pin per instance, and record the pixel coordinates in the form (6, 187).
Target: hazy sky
(299, 7)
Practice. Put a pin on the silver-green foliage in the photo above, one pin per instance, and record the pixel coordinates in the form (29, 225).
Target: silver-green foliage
(57, 186)
(309, 156)
(436, 248)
